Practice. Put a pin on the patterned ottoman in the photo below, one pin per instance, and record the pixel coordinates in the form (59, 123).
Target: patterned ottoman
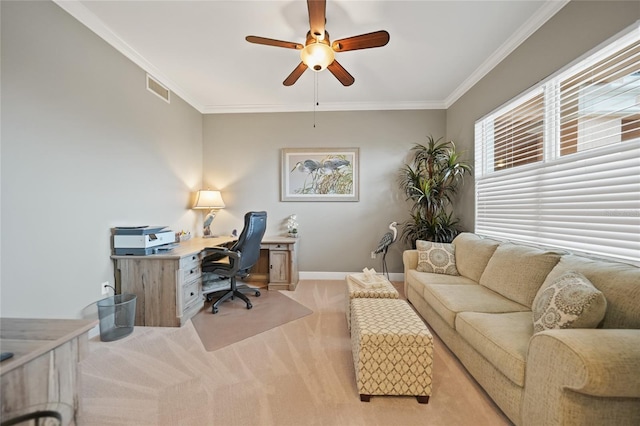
(358, 291)
(392, 349)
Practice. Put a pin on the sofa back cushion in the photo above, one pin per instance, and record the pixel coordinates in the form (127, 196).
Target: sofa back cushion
(473, 254)
(619, 282)
(437, 258)
(570, 301)
(517, 271)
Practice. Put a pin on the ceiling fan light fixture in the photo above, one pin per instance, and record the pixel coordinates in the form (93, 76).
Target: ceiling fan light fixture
(317, 56)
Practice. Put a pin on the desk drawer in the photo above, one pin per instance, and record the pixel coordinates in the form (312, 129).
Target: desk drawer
(190, 293)
(277, 247)
(190, 261)
(190, 274)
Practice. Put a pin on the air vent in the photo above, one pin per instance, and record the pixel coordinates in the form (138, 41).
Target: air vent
(158, 89)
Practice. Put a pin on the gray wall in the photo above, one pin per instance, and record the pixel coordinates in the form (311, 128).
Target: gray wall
(242, 158)
(574, 30)
(85, 147)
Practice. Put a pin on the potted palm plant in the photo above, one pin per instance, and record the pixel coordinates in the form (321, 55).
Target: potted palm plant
(430, 183)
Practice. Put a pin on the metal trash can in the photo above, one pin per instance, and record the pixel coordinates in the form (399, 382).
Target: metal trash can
(117, 316)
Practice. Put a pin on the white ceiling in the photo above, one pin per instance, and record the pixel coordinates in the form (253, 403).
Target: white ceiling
(437, 50)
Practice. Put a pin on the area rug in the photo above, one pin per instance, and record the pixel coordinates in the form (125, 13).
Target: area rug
(234, 322)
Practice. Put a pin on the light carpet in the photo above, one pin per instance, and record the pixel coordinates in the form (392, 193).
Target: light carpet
(299, 373)
(234, 322)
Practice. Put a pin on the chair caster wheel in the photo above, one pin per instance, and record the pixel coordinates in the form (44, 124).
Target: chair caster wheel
(257, 293)
(214, 310)
(249, 306)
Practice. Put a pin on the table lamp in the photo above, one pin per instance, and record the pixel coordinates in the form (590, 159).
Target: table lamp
(212, 200)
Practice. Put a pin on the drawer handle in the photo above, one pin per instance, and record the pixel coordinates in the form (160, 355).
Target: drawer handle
(192, 293)
(191, 271)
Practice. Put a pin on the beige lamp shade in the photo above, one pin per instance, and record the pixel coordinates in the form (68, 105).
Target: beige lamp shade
(206, 199)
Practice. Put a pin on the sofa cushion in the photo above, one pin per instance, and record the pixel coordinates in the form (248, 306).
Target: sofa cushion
(449, 300)
(438, 258)
(503, 339)
(473, 254)
(423, 278)
(417, 280)
(517, 271)
(619, 282)
(570, 301)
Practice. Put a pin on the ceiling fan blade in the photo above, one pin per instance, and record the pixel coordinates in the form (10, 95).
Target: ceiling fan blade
(341, 74)
(272, 42)
(317, 17)
(295, 74)
(363, 41)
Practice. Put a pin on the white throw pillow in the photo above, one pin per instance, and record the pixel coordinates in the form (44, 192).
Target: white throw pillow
(571, 301)
(438, 258)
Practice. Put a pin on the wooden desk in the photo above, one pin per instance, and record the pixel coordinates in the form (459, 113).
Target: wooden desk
(43, 369)
(168, 285)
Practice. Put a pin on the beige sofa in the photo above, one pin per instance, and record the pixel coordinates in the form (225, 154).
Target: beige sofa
(553, 377)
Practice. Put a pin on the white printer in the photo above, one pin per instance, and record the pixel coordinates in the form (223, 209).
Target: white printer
(142, 240)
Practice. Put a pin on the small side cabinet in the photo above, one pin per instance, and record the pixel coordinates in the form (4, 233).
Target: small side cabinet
(283, 263)
(279, 267)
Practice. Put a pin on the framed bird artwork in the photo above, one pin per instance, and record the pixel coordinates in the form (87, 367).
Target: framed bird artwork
(320, 174)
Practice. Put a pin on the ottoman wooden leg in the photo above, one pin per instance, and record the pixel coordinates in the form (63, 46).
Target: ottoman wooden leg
(365, 398)
(422, 399)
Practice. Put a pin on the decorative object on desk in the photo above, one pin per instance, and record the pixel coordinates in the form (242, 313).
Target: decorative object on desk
(212, 200)
(383, 246)
(319, 174)
(292, 226)
(183, 236)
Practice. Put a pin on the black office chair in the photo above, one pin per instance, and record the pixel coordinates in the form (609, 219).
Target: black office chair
(236, 261)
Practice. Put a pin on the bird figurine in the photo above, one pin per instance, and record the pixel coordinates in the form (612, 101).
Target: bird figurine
(383, 246)
(206, 225)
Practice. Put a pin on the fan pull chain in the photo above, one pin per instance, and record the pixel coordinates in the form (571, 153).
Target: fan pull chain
(315, 97)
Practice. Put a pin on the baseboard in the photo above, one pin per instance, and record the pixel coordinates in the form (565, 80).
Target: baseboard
(310, 275)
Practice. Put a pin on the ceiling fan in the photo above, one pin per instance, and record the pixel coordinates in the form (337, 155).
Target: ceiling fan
(318, 52)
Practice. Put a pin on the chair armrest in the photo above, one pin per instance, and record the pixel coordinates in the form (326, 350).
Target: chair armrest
(215, 254)
(215, 250)
(600, 364)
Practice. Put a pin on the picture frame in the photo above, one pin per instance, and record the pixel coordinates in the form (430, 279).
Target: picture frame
(320, 174)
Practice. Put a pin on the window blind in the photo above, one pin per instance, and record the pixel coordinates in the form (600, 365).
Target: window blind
(560, 165)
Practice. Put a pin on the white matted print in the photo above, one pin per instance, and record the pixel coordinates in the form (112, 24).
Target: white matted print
(319, 174)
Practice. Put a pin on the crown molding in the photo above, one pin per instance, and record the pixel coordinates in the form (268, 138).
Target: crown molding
(546, 12)
(323, 107)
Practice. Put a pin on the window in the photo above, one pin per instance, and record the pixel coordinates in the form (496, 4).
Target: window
(599, 104)
(560, 165)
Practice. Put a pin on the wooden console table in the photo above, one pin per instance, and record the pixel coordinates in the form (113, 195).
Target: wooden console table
(168, 285)
(44, 369)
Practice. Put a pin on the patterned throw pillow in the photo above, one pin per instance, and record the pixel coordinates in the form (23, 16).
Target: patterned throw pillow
(571, 301)
(438, 258)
